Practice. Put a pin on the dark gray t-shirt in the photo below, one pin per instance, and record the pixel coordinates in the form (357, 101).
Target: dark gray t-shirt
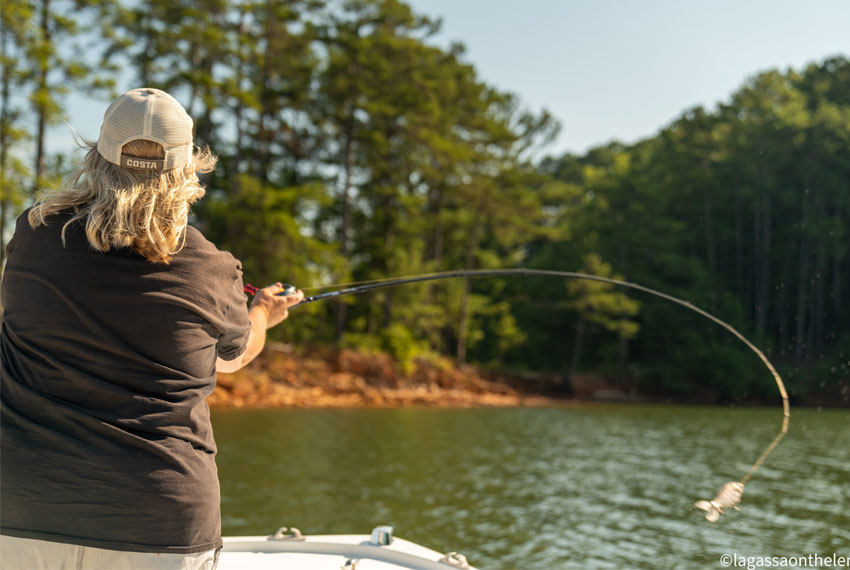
(106, 363)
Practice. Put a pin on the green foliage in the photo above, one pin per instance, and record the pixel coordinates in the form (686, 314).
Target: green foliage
(398, 341)
(742, 211)
(601, 303)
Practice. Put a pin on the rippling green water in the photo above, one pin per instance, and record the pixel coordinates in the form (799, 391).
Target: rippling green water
(581, 487)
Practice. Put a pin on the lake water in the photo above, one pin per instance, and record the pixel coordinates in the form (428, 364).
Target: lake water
(591, 486)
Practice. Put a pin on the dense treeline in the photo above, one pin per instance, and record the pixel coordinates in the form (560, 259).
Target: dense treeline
(352, 148)
(743, 211)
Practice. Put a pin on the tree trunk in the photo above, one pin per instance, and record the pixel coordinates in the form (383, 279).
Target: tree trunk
(782, 303)
(145, 60)
(837, 286)
(802, 285)
(578, 346)
(764, 267)
(348, 160)
(710, 243)
(267, 112)
(622, 355)
(739, 249)
(817, 329)
(5, 123)
(40, 106)
(439, 237)
(389, 243)
(205, 128)
(752, 267)
(463, 319)
(238, 151)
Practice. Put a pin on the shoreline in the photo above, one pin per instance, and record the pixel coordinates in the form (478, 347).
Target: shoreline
(322, 378)
(343, 378)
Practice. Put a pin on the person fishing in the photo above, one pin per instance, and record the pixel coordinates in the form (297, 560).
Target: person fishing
(117, 317)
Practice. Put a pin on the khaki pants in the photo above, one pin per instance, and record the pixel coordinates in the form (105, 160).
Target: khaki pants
(30, 554)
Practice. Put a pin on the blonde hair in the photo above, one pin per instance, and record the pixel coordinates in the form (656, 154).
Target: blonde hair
(122, 207)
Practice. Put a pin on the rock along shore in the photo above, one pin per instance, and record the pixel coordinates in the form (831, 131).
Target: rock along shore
(325, 378)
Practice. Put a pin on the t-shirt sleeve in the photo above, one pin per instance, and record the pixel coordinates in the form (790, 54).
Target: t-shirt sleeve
(237, 327)
(22, 225)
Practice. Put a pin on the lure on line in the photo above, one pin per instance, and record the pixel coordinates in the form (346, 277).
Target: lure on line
(730, 494)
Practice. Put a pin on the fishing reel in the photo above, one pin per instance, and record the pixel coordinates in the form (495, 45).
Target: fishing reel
(286, 289)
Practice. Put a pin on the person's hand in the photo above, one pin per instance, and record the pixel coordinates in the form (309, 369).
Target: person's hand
(267, 310)
(273, 308)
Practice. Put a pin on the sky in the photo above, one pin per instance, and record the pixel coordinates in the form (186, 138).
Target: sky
(623, 69)
(613, 69)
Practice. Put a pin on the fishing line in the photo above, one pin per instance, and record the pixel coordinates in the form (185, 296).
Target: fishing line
(730, 494)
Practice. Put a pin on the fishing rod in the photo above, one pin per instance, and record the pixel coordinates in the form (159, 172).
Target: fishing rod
(731, 493)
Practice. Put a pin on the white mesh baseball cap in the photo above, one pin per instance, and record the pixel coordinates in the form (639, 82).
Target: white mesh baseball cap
(148, 114)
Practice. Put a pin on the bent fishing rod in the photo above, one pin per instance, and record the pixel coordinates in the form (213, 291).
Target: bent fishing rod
(730, 494)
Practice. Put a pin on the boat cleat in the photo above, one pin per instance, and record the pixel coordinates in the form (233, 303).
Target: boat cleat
(455, 560)
(382, 535)
(287, 533)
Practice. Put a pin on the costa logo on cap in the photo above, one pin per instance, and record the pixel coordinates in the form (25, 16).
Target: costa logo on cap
(146, 114)
(141, 163)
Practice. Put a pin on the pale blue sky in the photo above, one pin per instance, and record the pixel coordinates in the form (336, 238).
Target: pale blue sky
(610, 69)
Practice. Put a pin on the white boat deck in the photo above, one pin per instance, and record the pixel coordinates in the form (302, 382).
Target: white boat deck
(288, 549)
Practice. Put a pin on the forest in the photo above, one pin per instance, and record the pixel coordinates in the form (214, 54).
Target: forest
(353, 147)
